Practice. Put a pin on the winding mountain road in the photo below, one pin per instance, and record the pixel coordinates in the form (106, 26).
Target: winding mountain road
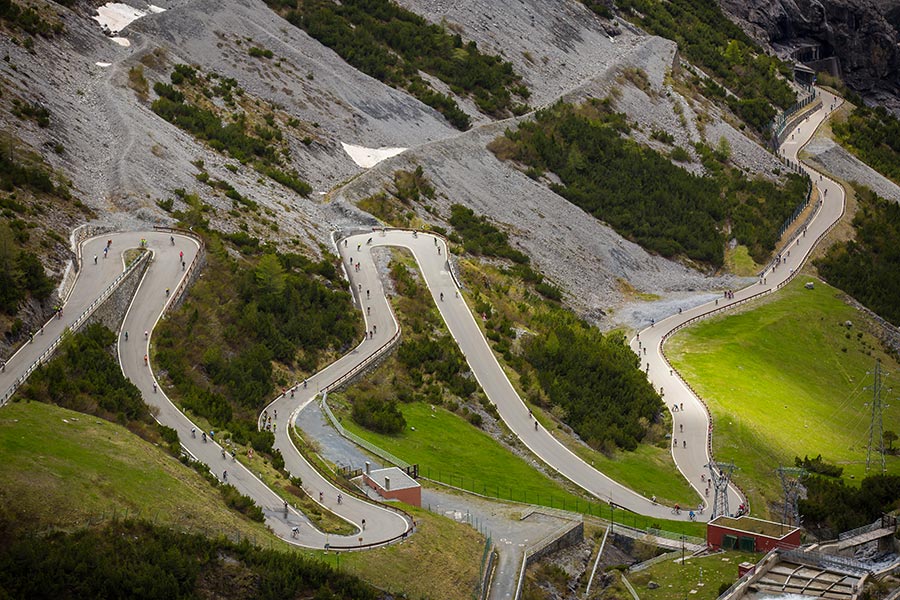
(383, 524)
(694, 418)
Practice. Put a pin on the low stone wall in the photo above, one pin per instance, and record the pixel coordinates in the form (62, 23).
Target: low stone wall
(797, 119)
(112, 312)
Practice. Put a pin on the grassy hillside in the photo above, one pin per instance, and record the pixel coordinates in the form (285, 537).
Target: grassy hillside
(63, 469)
(786, 378)
(66, 470)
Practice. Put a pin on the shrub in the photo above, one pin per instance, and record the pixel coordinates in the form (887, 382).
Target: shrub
(260, 52)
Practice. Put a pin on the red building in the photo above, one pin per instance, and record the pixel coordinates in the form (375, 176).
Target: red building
(750, 535)
(394, 484)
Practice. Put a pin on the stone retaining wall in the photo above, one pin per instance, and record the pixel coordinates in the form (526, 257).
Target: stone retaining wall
(112, 312)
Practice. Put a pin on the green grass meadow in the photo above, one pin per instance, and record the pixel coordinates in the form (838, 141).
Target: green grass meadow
(66, 469)
(784, 378)
(450, 450)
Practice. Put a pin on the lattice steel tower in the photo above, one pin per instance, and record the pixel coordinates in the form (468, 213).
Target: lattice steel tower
(876, 428)
(793, 488)
(720, 475)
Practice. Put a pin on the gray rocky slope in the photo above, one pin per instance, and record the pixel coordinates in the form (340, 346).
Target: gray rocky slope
(122, 157)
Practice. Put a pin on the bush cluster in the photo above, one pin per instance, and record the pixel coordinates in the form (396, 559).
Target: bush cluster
(819, 466)
(642, 195)
(133, 559)
(393, 45)
(481, 237)
(28, 19)
(866, 267)
(237, 138)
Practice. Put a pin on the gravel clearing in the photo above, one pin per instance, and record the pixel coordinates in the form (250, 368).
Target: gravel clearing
(835, 159)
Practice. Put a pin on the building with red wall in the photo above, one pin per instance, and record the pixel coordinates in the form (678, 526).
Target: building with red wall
(750, 535)
(394, 484)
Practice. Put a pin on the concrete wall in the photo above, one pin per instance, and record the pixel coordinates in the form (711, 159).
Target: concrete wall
(573, 535)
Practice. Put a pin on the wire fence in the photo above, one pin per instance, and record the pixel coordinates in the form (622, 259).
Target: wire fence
(377, 451)
(780, 122)
(484, 570)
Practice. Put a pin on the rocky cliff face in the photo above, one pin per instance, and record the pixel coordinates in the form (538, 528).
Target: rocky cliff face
(861, 34)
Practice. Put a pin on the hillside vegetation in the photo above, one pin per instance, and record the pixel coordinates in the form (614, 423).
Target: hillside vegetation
(258, 142)
(249, 325)
(867, 266)
(33, 201)
(642, 194)
(710, 40)
(834, 507)
(392, 44)
(133, 559)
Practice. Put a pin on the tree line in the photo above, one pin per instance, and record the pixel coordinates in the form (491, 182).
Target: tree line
(392, 44)
(135, 559)
(832, 507)
(641, 194)
(21, 274)
(866, 267)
